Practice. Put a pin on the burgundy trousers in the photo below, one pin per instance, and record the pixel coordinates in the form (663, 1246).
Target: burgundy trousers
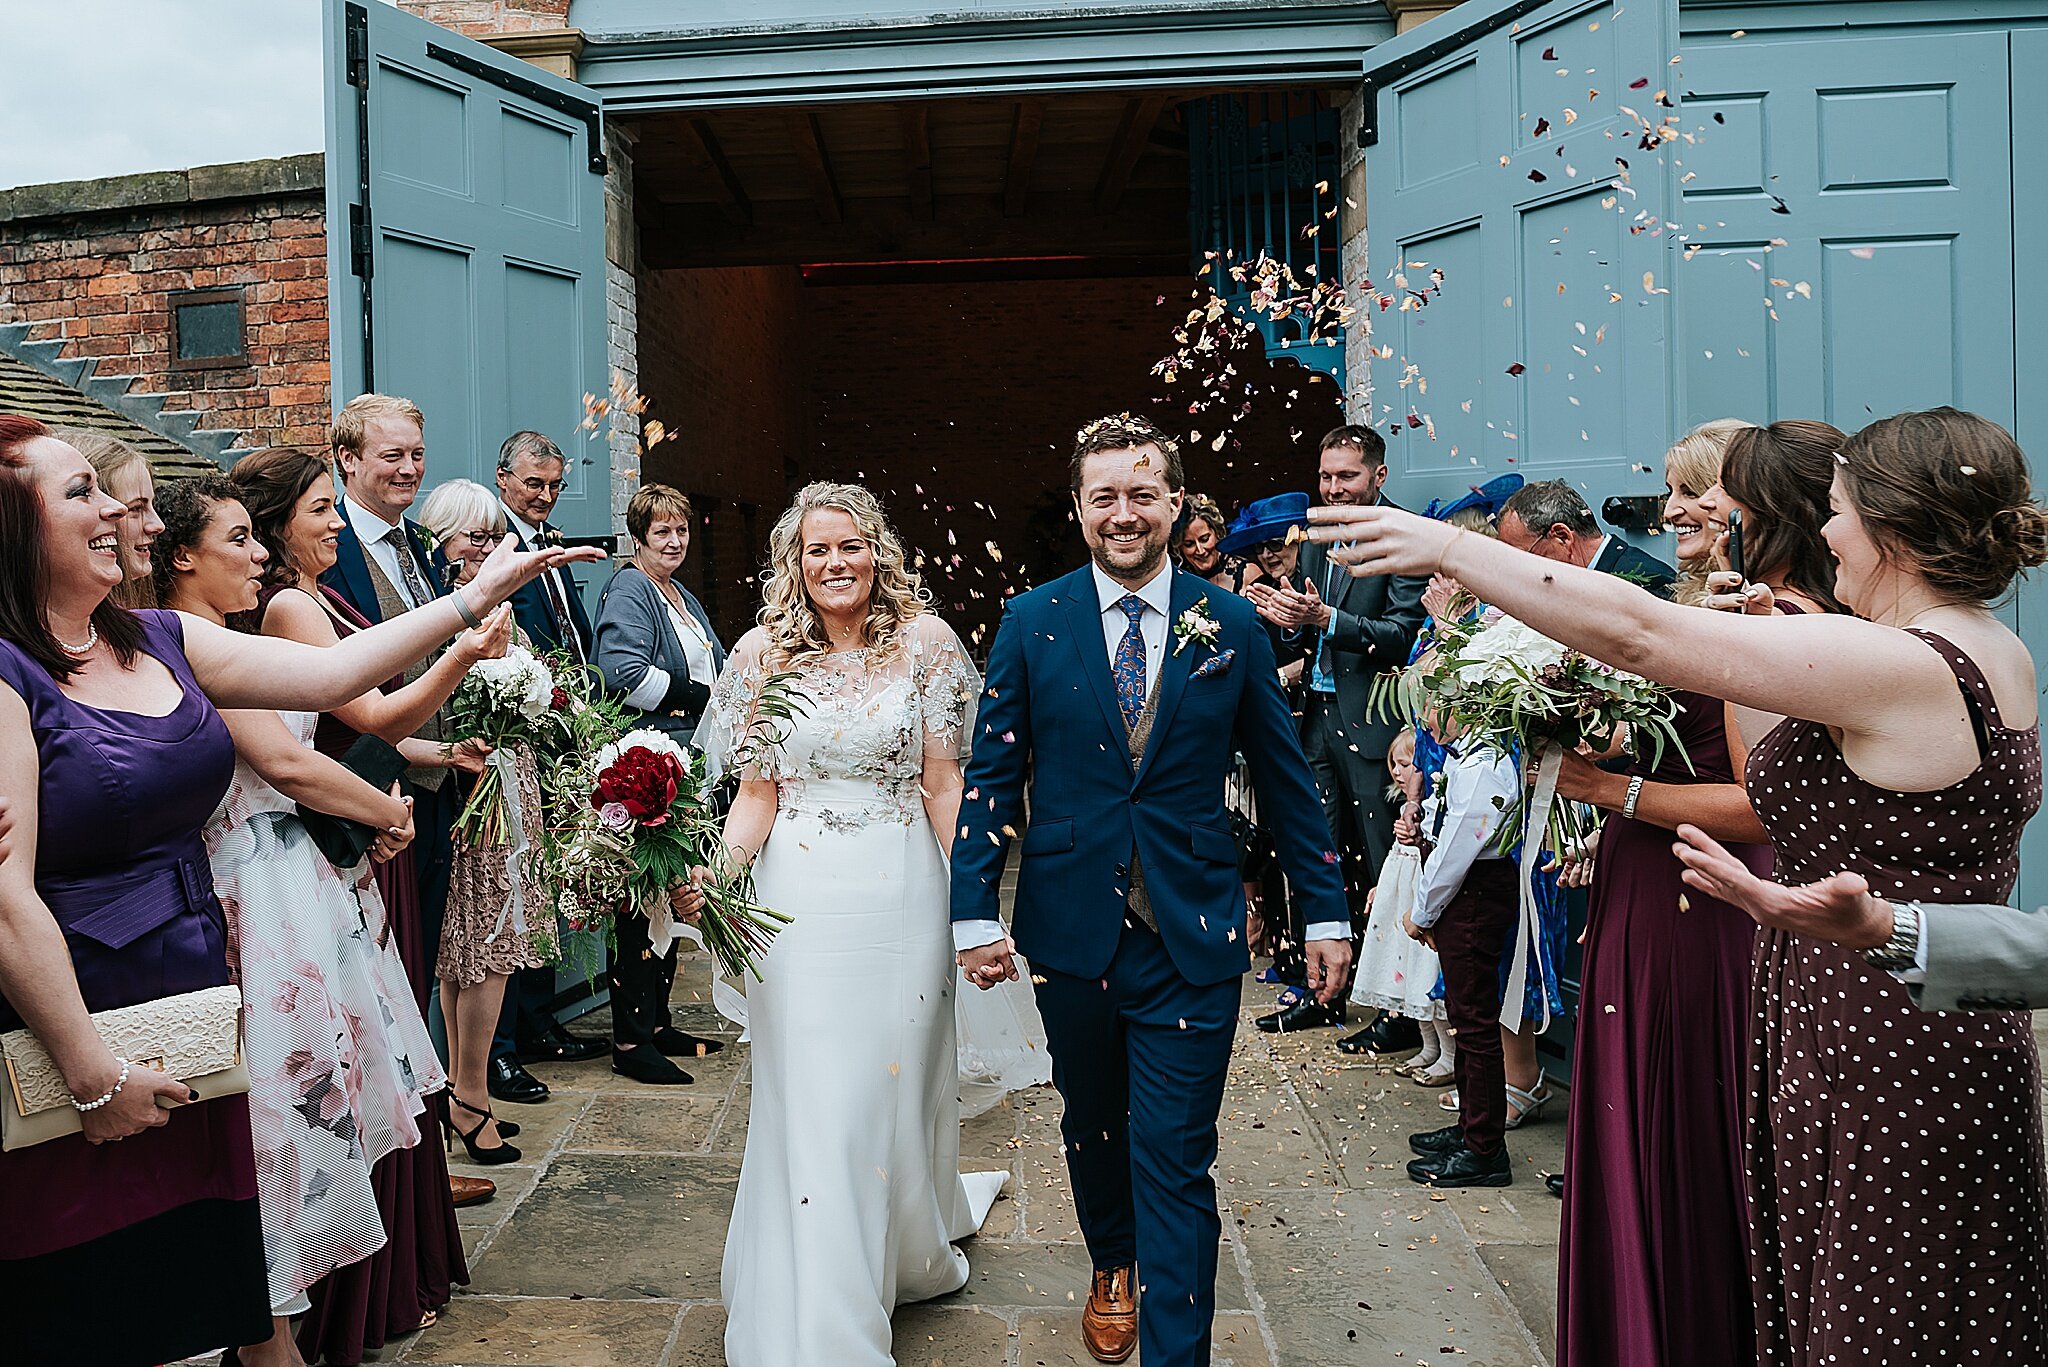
(1471, 936)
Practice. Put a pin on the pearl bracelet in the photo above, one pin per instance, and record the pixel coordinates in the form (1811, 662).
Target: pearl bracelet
(112, 1092)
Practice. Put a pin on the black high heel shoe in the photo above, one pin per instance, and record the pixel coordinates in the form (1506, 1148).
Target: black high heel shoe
(502, 1153)
(507, 1129)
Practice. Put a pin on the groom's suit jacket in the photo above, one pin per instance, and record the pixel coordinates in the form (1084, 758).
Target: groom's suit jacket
(1050, 713)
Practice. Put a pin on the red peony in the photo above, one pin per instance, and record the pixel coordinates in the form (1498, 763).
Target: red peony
(642, 781)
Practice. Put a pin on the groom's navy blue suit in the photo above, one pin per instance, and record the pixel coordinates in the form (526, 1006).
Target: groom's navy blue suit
(1140, 1023)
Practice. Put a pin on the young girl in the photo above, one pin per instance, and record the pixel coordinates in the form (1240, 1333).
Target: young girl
(1395, 973)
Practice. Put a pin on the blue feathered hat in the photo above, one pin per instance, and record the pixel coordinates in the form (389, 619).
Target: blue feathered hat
(1490, 496)
(1263, 520)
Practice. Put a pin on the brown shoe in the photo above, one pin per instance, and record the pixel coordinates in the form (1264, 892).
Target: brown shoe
(1109, 1326)
(471, 1191)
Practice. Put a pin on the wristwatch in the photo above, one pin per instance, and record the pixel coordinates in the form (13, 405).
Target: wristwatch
(1635, 792)
(1902, 950)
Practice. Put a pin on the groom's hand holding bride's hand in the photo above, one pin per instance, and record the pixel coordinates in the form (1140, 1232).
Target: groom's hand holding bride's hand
(989, 964)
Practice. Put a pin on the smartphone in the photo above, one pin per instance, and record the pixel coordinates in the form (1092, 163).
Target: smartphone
(608, 544)
(1735, 542)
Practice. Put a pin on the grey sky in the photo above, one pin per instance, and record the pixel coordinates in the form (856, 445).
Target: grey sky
(109, 87)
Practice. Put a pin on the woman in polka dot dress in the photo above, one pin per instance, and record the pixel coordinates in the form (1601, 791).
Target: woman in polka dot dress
(1898, 1200)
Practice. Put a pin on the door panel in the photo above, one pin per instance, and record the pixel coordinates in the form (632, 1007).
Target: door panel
(1864, 160)
(473, 278)
(1511, 163)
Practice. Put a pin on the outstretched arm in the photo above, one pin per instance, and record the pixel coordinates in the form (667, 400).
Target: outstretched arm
(1832, 668)
(238, 670)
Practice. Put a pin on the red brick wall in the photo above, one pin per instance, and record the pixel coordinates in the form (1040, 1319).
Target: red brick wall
(480, 17)
(941, 397)
(722, 364)
(101, 282)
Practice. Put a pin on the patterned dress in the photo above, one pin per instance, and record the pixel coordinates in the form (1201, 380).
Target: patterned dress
(1895, 1171)
(339, 1059)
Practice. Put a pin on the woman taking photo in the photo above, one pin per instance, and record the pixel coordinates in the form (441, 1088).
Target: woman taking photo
(657, 651)
(480, 949)
(290, 497)
(337, 1080)
(113, 759)
(1899, 1211)
(1201, 552)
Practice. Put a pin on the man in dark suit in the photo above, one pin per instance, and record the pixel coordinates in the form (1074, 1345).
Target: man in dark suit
(1355, 629)
(550, 610)
(531, 470)
(1118, 695)
(1551, 520)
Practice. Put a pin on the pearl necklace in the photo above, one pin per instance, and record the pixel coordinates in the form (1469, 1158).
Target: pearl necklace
(92, 638)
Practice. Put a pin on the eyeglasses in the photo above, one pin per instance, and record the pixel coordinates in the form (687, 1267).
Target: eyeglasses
(481, 537)
(542, 486)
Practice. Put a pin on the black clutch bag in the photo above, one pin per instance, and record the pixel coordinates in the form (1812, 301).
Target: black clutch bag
(345, 842)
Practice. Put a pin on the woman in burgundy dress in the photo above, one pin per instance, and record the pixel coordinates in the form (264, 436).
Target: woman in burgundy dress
(290, 496)
(1898, 1199)
(139, 1240)
(1652, 1260)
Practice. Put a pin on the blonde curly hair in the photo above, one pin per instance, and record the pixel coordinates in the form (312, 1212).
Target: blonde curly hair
(1694, 461)
(794, 632)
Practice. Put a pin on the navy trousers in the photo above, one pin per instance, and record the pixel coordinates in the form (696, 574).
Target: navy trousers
(1139, 1056)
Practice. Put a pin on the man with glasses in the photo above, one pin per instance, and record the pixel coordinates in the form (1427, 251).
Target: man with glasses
(550, 609)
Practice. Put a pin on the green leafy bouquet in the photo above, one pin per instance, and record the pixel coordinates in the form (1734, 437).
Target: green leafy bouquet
(1493, 681)
(504, 702)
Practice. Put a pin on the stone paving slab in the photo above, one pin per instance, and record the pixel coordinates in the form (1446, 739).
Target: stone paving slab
(604, 1243)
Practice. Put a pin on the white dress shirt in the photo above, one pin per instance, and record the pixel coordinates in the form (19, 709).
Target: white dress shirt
(1479, 785)
(1153, 626)
(371, 530)
(527, 531)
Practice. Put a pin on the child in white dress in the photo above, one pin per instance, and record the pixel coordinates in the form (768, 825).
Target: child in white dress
(1397, 974)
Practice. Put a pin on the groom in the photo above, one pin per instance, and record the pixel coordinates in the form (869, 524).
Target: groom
(1122, 692)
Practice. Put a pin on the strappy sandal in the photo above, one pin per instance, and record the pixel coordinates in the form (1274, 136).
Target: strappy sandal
(1523, 1107)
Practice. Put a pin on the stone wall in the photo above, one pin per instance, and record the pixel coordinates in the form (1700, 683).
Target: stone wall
(479, 18)
(92, 264)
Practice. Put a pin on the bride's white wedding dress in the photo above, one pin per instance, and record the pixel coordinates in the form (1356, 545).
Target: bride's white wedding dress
(850, 1193)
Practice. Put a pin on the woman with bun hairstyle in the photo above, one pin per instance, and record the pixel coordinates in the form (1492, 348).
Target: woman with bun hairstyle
(1898, 1204)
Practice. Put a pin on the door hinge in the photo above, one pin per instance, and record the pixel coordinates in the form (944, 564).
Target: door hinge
(356, 57)
(361, 261)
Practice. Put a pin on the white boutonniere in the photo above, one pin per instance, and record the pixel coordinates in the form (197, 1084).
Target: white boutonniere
(1196, 625)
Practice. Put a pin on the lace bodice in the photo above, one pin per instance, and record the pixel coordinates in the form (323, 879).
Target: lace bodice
(866, 724)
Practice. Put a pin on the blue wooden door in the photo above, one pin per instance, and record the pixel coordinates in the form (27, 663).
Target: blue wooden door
(1518, 247)
(466, 262)
(1849, 207)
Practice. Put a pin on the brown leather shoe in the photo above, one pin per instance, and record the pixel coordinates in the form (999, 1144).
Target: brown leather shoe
(471, 1191)
(1109, 1326)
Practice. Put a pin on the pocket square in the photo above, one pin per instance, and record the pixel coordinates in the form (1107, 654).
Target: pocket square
(1219, 663)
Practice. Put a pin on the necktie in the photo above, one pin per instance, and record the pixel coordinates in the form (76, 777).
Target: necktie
(565, 625)
(409, 570)
(1130, 662)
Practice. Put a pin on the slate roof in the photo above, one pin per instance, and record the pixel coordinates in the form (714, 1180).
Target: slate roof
(24, 389)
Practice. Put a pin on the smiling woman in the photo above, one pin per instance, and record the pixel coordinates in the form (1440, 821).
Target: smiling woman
(124, 473)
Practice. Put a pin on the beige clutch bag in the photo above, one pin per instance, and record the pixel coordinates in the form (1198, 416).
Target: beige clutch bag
(195, 1037)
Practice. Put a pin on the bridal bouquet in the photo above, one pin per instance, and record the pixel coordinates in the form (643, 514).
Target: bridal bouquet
(1497, 682)
(503, 702)
(649, 821)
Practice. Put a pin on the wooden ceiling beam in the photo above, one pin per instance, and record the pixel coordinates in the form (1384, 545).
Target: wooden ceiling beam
(701, 144)
(808, 139)
(1141, 113)
(917, 154)
(1026, 122)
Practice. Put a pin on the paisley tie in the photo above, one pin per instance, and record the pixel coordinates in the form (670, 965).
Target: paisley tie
(1130, 662)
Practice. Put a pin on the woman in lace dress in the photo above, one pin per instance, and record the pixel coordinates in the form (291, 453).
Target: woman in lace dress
(850, 1193)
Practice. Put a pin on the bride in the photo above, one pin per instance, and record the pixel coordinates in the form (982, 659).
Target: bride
(850, 1194)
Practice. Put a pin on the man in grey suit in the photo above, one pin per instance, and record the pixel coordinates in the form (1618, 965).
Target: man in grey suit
(1952, 957)
(1354, 629)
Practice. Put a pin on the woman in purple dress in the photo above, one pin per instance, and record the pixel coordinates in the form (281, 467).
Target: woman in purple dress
(1893, 1163)
(113, 759)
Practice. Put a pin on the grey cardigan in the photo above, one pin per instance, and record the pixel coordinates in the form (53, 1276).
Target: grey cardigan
(634, 635)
